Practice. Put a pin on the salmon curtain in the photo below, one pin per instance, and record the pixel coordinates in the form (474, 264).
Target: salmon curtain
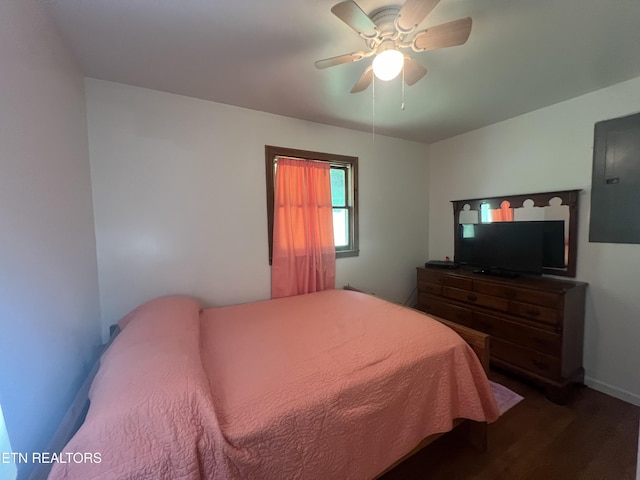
(502, 214)
(304, 255)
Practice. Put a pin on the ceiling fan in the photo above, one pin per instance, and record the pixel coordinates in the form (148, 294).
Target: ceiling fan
(389, 30)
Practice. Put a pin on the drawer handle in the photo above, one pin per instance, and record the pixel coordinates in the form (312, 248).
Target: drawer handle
(533, 313)
(471, 297)
(540, 365)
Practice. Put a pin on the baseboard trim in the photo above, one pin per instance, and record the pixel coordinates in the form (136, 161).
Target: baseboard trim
(616, 392)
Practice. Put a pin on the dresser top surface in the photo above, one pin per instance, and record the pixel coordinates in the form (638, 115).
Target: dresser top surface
(523, 281)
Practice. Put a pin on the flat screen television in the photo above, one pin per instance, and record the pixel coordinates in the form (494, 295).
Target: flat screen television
(553, 244)
(512, 247)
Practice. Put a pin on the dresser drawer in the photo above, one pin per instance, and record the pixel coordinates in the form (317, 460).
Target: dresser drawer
(445, 310)
(535, 297)
(441, 277)
(533, 338)
(474, 298)
(430, 288)
(430, 275)
(530, 360)
(458, 282)
(537, 313)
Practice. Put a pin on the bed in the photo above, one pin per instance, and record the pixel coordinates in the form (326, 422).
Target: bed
(335, 384)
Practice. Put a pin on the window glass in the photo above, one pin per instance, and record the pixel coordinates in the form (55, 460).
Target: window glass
(341, 227)
(338, 187)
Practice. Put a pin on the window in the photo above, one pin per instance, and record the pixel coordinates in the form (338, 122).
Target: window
(341, 211)
(344, 195)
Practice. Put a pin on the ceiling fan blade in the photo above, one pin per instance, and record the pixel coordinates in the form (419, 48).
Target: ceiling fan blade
(445, 35)
(339, 60)
(412, 13)
(351, 14)
(413, 71)
(364, 81)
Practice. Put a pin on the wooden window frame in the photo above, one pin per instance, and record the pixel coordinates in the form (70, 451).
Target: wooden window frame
(342, 161)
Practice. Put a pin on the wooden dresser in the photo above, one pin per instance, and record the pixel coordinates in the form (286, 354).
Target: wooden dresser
(536, 324)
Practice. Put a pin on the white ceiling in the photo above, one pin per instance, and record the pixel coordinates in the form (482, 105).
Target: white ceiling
(522, 55)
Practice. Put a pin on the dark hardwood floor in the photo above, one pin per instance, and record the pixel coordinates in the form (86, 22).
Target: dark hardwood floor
(594, 437)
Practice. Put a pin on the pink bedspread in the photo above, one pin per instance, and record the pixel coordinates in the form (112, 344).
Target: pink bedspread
(333, 384)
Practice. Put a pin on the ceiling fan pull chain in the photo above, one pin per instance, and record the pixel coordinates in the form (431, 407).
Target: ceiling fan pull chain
(373, 109)
(402, 105)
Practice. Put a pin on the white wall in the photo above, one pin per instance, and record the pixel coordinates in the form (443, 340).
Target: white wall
(180, 204)
(546, 150)
(49, 307)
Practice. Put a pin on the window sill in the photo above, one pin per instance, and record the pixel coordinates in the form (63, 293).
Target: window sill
(347, 253)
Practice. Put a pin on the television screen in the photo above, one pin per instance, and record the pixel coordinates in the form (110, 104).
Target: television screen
(509, 246)
(553, 245)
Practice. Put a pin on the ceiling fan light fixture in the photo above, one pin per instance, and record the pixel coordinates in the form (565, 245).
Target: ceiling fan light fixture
(389, 30)
(388, 64)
